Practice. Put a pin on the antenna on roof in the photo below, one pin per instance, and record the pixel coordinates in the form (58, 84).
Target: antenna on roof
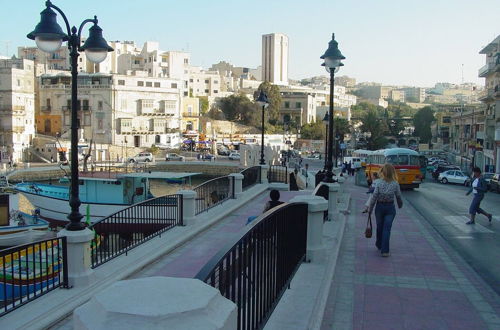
(462, 74)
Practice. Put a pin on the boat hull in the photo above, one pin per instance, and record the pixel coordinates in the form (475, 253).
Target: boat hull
(56, 210)
(22, 236)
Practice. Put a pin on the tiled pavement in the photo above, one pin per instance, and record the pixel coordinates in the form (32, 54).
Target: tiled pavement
(188, 259)
(424, 284)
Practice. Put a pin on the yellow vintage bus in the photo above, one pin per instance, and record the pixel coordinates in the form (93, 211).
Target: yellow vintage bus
(406, 162)
(362, 154)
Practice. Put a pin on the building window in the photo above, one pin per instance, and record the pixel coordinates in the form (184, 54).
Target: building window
(216, 91)
(157, 84)
(190, 80)
(216, 81)
(207, 91)
(99, 105)
(140, 83)
(149, 84)
(287, 105)
(207, 81)
(99, 124)
(173, 85)
(298, 105)
(186, 61)
(121, 82)
(147, 103)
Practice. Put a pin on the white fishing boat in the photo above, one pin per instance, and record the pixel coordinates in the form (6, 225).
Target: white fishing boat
(105, 193)
(16, 227)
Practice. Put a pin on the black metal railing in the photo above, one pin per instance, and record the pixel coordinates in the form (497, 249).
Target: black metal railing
(277, 173)
(134, 225)
(29, 271)
(255, 268)
(251, 176)
(213, 192)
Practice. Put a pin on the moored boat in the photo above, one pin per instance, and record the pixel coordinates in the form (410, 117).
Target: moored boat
(104, 193)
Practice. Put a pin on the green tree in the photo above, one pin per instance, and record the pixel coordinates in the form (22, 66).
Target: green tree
(422, 122)
(203, 104)
(342, 127)
(313, 131)
(373, 124)
(239, 108)
(274, 97)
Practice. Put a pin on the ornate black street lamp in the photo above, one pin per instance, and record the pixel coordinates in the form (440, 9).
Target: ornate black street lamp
(264, 103)
(332, 63)
(49, 36)
(325, 121)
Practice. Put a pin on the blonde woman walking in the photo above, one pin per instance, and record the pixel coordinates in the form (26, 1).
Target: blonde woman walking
(386, 190)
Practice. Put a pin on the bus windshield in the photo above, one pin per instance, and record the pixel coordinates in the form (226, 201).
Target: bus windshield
(403, 160)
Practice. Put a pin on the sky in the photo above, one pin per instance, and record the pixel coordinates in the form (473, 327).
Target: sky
(398, 42)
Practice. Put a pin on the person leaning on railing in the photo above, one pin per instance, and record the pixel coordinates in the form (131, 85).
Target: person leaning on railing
(275, 196)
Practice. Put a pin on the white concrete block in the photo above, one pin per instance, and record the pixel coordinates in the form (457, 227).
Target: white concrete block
(157, 303)
(188, 206)
(238, 184)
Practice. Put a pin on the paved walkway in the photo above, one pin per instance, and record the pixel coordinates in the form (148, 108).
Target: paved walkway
(187, 260)
(424, 284)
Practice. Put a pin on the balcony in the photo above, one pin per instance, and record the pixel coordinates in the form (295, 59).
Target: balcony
(488, 95)
(190, 114)
(46, 108)
(487, 69)
(17, 129)
(78, 108)
(480, 135)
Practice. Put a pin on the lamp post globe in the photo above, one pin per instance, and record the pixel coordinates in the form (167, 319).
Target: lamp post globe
(49, 37)
(264, 103)
(332, 62)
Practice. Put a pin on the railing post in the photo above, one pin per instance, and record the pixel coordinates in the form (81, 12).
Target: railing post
(263, 174)
(188, 206)
(315, 209)
(237, 180)
(80, 272)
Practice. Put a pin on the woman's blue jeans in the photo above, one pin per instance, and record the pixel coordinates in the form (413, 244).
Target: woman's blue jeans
(384, 213)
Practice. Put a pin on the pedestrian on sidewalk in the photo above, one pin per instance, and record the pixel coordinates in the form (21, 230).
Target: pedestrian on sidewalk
(386, 189)
(479, 188)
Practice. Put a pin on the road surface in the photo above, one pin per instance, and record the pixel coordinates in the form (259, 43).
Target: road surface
(445, 207)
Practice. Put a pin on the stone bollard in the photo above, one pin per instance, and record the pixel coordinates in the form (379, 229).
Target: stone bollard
(263, 173)
(333, 196)
(80, 272)
(157, 303)
(188, 206)
(238, 184)
(315, 209)
(341, 181)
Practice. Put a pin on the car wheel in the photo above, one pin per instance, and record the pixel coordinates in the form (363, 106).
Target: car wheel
(147, 160)
(444, 180)
(131, 161)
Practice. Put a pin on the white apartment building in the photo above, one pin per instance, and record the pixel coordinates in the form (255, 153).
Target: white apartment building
(124, 110)
(17, 108)
(204, 83)
(275, 58)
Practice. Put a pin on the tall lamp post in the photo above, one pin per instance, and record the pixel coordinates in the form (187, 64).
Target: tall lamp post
(325, 121)
(49, 36)
(264, 103)
(332, 58)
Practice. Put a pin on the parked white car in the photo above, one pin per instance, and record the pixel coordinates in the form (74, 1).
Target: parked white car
(453, 176)
(234, 156)
(141, 158)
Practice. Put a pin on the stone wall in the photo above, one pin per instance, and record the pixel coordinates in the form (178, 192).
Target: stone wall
(207, 168)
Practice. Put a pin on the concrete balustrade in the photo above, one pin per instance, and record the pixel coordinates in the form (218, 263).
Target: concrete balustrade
(238, 184)
(157, 303)
(341, 181)
(316, 207)
(188, 206)
(333, 196)
(80, 272)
